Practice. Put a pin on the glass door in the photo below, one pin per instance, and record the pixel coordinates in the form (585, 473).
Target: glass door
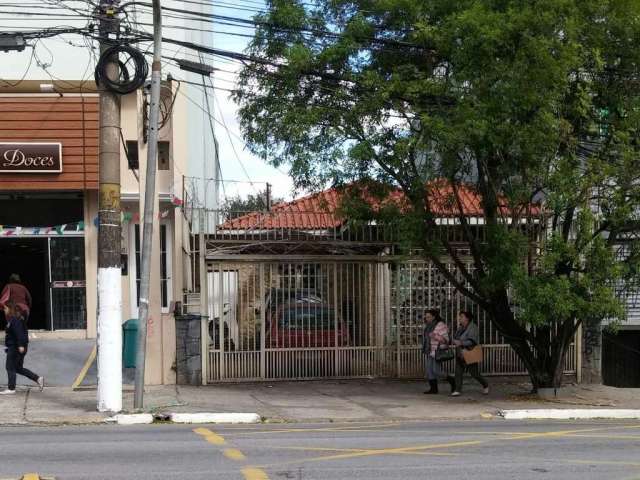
(67, 277)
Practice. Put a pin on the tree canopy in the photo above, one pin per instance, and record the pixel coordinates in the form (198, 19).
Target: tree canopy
(530, 103)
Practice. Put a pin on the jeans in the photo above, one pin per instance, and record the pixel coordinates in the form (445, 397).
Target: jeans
(474, 371)
(434, 369)
(15, 361)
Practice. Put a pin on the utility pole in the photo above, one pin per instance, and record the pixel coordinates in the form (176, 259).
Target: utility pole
(109, 342)
(149, 205)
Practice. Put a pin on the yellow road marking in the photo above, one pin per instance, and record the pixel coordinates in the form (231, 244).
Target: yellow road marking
(31, 476)
(325, 429)
(605, 462)
(604, 435)
(234, 454)
(215, 439)
(509, 436)
(321, 449)
(83, 373)
(381, 451)
(210, 436)
(254, 474)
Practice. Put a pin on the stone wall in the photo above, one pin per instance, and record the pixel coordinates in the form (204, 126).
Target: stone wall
(188, 350)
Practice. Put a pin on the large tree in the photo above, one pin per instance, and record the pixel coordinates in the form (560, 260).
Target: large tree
(532, 104)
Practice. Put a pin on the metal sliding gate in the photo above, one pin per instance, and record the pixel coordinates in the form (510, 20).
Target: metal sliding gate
(282, 320)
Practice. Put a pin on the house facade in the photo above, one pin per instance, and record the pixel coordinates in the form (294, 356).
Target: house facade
(298, 292)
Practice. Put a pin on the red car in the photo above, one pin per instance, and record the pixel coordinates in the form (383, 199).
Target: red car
(305, 325)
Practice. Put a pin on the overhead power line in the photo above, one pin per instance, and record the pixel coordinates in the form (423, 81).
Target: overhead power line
(254, 23)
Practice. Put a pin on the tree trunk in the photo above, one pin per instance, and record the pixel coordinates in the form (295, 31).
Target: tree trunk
(547, 369)
(542, 355)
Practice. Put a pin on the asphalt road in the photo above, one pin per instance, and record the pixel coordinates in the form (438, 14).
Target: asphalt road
(491, 449)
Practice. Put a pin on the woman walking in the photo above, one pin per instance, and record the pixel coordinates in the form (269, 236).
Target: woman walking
(436, 336)
(465, 338)
(16, 343)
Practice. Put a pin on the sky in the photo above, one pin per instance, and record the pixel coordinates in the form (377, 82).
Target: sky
(65, 56)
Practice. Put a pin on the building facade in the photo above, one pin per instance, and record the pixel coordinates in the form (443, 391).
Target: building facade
(49, 207)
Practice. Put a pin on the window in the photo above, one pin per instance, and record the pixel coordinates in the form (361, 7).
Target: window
(132, 155)
(165, 266)
(164, 154)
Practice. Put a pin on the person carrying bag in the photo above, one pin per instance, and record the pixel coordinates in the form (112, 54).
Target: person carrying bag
(436, 336)
(468, 354)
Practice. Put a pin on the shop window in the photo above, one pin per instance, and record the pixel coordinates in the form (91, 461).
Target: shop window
(165, 265)
(163, 156)
(133, 158)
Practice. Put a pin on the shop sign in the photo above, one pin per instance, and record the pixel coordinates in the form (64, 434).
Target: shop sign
(30, 157)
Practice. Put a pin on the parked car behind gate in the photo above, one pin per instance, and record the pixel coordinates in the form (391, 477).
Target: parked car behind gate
(305, 325)
(300, 318)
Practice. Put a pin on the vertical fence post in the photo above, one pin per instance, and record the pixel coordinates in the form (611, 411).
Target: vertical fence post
(204, 306)
(221, 336)
(577, 351)
(263, 327)
(398, 335)
(336, 313)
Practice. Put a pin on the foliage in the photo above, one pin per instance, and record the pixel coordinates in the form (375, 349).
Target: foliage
(237, 205)
(523, 102)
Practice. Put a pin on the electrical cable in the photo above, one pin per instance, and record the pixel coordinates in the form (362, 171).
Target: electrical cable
(126, 83)
(233, 145)
(255, 23)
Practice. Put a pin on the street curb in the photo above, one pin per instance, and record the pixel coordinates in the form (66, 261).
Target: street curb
(570, 414)
(214, 418)
(132, 419)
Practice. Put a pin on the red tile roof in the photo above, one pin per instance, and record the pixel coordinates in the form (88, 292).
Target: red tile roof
(320, 210)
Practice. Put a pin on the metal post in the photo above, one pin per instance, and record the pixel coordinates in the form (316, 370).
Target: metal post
(336, 314)
(221, 336)
(398, 329)
(578, 353)
(204, 304)
(263, 327)
(268, 195)
(109, 338)
(149, 205)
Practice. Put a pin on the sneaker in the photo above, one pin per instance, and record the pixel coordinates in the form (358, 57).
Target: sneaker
(8, 392)
(485, 391)
(41, 383)
(455, 394)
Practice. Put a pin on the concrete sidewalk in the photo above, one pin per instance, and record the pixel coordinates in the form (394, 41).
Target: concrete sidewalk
(317, 401)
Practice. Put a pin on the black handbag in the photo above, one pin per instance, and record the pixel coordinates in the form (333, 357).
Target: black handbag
(445, 354)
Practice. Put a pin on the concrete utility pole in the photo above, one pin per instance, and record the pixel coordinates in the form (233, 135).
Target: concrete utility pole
(149, 204)
(109, 233)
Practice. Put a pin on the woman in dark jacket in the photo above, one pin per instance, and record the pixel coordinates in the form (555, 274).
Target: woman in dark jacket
(466, 337)
(16, 343)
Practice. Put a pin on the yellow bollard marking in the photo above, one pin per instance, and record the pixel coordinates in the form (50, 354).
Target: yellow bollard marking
(31, 476)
